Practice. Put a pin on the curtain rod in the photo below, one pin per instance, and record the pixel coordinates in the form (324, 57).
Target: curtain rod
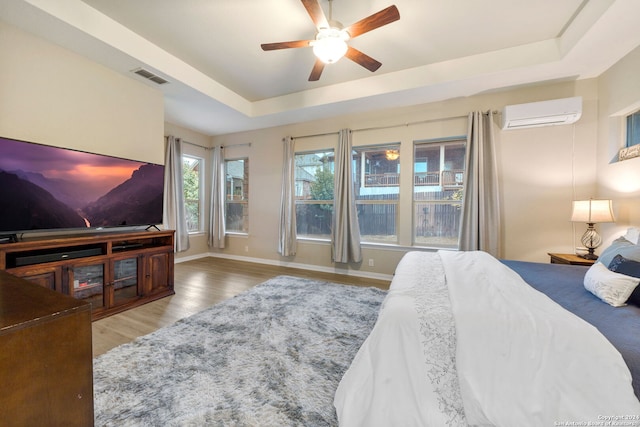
(410, 123)
(190, 143)
(210, 148)
(196, 145)
(314, 135)
(386, 127)
(237, 145)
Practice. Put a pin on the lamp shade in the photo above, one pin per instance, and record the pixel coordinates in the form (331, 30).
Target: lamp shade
(330, 44)
(592, 211)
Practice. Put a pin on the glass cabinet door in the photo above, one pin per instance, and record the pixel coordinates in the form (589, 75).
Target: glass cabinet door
(88, 283)
(125, 279)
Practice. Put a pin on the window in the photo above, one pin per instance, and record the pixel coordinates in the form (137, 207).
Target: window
(438, 187)
(192, 183)
(314, 193)
(237, 195)
(633, 129)
(377, 183)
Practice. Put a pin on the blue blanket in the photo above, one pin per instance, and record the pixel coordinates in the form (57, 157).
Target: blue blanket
(564, 284)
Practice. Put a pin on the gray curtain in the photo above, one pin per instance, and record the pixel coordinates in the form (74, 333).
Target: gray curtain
(287, 228)
(345, 237)
(217, 229)
(480, 229)
(174, 213)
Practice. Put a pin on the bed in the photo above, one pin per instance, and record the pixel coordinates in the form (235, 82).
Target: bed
(563, 284)
(465, 339)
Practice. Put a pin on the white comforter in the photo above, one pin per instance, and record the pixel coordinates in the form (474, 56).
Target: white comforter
(462, 340)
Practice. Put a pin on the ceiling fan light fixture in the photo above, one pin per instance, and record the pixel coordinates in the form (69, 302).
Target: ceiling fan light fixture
(392, 155)
(330, 44)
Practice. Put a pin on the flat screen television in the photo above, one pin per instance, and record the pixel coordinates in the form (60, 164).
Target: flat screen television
(46, 188)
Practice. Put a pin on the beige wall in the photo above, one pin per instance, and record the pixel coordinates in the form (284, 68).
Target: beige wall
(619, 94)
(53, 96)
(540, 170)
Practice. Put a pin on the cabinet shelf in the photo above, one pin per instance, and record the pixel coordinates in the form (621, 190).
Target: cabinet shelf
(112, 271)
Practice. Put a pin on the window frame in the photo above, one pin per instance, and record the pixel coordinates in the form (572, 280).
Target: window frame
(631, 134)
(457, 183)
(244, 202)
(298, 201)
(201, 163)
(357, 154)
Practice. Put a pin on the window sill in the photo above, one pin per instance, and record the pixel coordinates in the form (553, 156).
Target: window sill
(382, 246)
(629, 153)
(236, 234)
(313, 240)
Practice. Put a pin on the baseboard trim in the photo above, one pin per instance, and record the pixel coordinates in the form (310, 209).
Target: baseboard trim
(309, 267)
(190, 258)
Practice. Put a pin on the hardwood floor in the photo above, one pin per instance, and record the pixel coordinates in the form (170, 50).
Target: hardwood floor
(199, 284)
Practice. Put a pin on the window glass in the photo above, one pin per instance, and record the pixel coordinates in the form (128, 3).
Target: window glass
(376, 179)
(237, 195)
(314, 175)
(633, 129)
(192, 187)
(438, 188)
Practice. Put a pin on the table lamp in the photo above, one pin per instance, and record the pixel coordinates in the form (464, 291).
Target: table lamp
(592, 212)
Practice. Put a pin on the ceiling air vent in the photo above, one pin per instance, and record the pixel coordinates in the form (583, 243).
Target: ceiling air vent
(149, 76)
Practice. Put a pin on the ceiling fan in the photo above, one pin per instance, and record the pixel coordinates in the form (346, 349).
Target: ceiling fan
(331, 39)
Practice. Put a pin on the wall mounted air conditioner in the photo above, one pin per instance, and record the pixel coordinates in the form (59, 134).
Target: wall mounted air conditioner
(545, 113)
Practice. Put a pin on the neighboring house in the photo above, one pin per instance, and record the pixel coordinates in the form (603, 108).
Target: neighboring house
(235, 181)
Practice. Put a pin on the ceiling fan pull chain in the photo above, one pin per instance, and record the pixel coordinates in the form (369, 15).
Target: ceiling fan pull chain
(330, 11)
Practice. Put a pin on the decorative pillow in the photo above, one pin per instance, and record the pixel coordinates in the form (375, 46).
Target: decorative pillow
(612, 288)
(633, 235)
(628, 267)
(620, 246)
(634, 298)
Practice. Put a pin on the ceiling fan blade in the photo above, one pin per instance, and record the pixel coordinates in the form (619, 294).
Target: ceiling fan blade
(377, 20)
(285, 45)
(316, 72)
(362, 59)
(315, 12)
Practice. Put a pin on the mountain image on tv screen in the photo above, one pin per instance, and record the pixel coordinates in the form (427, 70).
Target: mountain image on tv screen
(44, 188)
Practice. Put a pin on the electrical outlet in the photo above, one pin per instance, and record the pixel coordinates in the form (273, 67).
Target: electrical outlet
(371, 263)
(246, 248)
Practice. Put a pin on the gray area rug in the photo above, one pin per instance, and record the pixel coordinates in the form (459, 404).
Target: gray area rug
(272, 356)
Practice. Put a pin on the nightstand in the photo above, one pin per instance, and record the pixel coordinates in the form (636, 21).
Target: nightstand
(570, 259)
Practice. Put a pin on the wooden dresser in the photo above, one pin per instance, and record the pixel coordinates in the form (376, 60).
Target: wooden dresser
(46, 366)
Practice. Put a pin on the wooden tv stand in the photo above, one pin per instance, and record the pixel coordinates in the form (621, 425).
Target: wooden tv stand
(114, 271)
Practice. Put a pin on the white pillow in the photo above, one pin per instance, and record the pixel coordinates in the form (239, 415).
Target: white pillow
(612, 288)
(633, 235)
